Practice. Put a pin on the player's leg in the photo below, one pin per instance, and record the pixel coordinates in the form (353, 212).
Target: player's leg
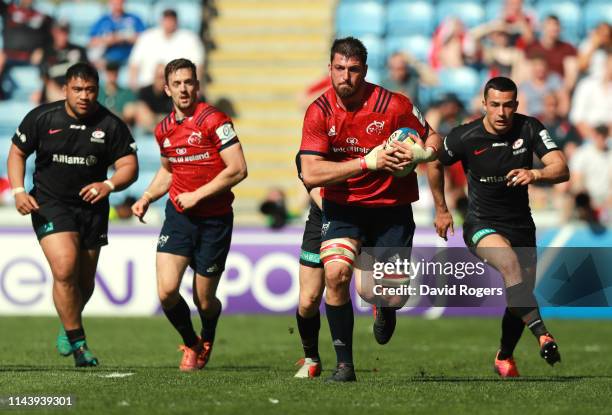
(210, 255)
(391, 234)
(174, 251)
(312, 283)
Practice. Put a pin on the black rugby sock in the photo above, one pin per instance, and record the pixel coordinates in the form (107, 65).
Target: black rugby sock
(309, 333)
(522, 303)
(512, 330)
(209, 325)
(75, 335)
(341, 322)
(180, 317)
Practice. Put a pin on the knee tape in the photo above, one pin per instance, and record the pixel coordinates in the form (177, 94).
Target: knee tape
(338, 250)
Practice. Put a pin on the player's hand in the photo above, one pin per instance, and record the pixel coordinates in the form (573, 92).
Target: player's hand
(187, 200)
(94, 192)
(522, 177)
(139, 209)
(25, 203)
(443, 222)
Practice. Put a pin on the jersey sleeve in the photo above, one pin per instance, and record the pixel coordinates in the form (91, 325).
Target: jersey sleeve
(314, 134)
(122, 143)
(26, 135)
(452, 148)
(543, 143)
(220, 128)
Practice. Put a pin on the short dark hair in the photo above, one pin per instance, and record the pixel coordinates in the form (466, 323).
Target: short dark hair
(82, 70)
(181, 63)
(553, 17)
(500, 83)
(170, 13)
(351, 48)
(602, 130)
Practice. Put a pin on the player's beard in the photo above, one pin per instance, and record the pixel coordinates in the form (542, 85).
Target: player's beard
(345, 90)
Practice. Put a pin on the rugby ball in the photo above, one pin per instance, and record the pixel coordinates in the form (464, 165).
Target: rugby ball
(401, 134)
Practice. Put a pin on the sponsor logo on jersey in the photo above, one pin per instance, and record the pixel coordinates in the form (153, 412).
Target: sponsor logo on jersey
(22, 137)
(375, 127)
(225, 133)
(332, 131)
(519, 151)
(181, 151)
(504, 144)
(351, 149)
(418, 115)
(195, 139)
(480, 151)
(547, 139)
(91, 160)
(66, 159)
(517, 144)
(188, 159)
(166, 143)
(352, 140)
(77, 126)
(163, 239)
(97, 137)
(51, 131)
(493, 179)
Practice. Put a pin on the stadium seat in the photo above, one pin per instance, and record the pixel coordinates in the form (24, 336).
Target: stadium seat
(81, 16)
(25, 80)
(416, 46)
(408, 18)
(12, 112)
(463, 82)
(596, 12)
(47, 7)
(569, 13)
(189, 13)
(376, 51)
(358, 19)
(142, 9)
(148, 152)
(374, 76)
(471, 13)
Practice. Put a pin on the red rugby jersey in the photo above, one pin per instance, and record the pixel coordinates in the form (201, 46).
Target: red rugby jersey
(338, 135)
(192, 147)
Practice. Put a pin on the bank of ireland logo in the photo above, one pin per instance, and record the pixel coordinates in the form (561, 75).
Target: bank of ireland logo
(181, 151)
(163, 239)
(375, 127)
(352, 141)
(195, 139)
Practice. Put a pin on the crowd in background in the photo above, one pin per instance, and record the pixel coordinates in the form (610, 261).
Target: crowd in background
(567, 86)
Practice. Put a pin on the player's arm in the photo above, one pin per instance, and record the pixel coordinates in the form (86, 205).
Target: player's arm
(555, 171)
(315, 195)
(443, 219)
(158, 187)
(234, 172)
(126, 173)
(16, 163)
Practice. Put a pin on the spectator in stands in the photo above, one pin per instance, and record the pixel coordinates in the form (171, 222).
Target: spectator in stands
(55, 59)
(591, 168)
(445, 114)
(121, 101)
(114, 34)
(519, 23)
(153, 103)
(541, 83)
(592, 51)
(404, 75)
(592, 101)
(560, 128)
(492, 42)
(560, 56)
(25, 30)
(274, 207)
(162, 44)
(447, 45)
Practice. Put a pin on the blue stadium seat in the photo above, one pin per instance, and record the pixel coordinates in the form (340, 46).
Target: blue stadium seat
(148, 152)
(12, 112)
(138, 188)
(142, 9)
(189, 13)
(376, 51)
(47, 7)
(25, 80)
(358, 19)
(463, 82)
(407, 18)
(81, 16)
(471, 13)
(569, 13)
(374, 76)
(416, 46)
(595, 12)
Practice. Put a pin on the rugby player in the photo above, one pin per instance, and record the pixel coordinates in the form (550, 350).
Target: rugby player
(363, 204)
(75, 141)
(497, 155)
(201, 160)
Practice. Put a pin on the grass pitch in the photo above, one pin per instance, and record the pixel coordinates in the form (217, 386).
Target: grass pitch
(430, 367)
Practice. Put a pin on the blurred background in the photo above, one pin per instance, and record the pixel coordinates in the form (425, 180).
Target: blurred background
(264, 61)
